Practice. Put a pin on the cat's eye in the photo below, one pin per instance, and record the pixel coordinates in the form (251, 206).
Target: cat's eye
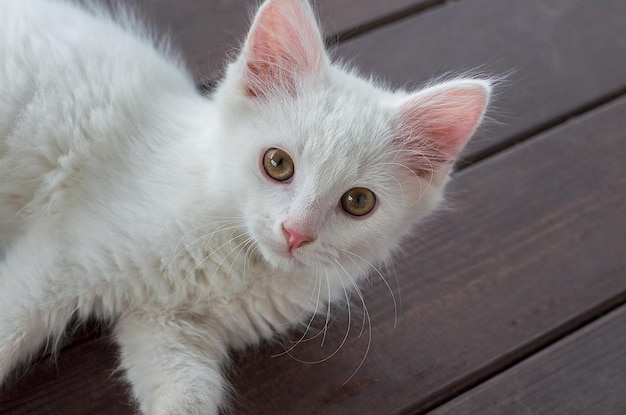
(358, 201)
(278, 165)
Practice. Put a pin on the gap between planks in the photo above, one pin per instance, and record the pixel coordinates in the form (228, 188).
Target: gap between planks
(381, 21)
(508, 360)
(207, 86)
(539, 129)
(583, 371)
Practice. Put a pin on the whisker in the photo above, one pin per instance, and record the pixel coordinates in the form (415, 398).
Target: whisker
(356, 289)
(308, 325)
(367, 350)
(419, 181)
(178, 252)
(343, 341)
(195, 268)
(249, 252)
(250, 248)
(324, 330)
(395, 275)
(241, 247)
(399, 185)
(367, 318)
(328, 306)
(393, 297)
(198, 228)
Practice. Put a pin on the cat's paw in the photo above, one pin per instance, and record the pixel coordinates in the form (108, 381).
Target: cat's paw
(179, 402)
(7, 354)
(18, 345)
(4, 370)
(7, 362)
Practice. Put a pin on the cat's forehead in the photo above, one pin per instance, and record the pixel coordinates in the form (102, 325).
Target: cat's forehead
(335, 124)
(338, 135)
(340, 142)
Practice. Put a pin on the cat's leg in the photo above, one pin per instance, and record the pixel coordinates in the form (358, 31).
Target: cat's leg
(32, 309)
(173, 362)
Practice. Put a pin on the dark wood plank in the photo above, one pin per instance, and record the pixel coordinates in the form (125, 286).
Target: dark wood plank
(80, 381)
(561, 56)
(584, 373)
(208, 31)
(535, 242)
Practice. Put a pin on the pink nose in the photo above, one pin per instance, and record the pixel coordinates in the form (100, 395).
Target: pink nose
(296, 239)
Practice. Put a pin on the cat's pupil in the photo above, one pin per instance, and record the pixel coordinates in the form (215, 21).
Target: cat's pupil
(278, 165)
(358, 201)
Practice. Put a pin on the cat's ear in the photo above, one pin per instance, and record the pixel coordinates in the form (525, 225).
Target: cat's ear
(283, 47)
(436, 123)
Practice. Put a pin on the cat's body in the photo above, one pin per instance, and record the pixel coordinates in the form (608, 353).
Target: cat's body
(127, 195)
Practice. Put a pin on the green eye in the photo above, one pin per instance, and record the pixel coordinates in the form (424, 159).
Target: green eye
(277, 164)
(358, 201)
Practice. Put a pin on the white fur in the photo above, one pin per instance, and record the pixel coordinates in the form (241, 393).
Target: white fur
(126, 195)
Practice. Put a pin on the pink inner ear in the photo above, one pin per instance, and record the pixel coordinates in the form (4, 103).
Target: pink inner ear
(437, 123)
(283, 46)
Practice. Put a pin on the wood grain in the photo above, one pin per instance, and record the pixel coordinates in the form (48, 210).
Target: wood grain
(207, 32)
(81, 380)
(559, 57)
(584, 373)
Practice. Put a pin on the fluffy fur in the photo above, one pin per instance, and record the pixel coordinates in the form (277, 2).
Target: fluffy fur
(128, 196)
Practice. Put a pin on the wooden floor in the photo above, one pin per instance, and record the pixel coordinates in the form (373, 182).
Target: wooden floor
(512, 302)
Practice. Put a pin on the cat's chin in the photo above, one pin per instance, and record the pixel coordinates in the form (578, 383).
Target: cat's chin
(286, 262)
(282, 259)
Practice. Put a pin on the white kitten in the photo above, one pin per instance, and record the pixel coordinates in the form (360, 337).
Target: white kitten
(199, 224)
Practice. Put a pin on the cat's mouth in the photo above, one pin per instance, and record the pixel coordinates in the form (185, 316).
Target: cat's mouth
(278, 253)
(281, 256)
(287, 254)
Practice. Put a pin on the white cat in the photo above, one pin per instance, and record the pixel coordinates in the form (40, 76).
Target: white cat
(199, 224)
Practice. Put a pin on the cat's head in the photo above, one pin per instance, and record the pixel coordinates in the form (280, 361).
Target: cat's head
(331, 169)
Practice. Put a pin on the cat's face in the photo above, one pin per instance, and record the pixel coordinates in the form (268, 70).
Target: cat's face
(329, 170)
(324, 179)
